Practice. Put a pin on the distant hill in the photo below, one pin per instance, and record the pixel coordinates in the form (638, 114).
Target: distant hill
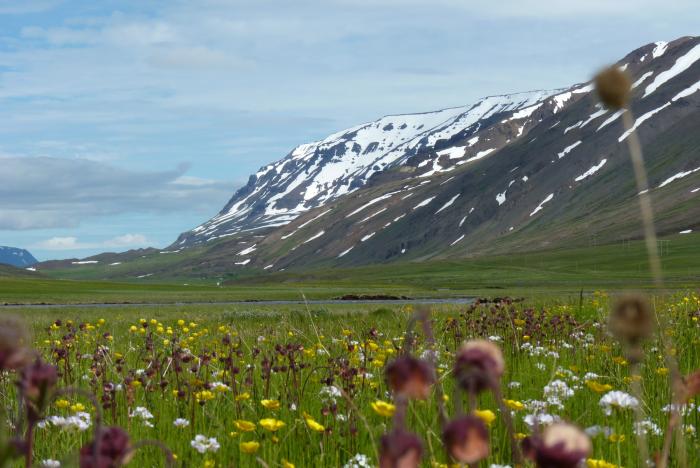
(15, 257)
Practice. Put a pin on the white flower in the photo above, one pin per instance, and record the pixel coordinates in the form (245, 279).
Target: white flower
(557, 391)
(358, 461)
(541, 366)
(542, 419)
(220, 387)
(495, 338)
(594, 431)
(78, 422)
(330, 393)
(493, 465)
(514, 384)
(647, 426)
(617, 399)
(141, 413)
(204, 444)
(49, 463)
(181, 422)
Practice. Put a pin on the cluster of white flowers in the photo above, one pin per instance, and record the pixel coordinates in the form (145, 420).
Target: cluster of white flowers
(329, 393)
(49, 463)
(143, 414)
(78, 422)
(647, 426)
(181, 422)
(204, 444)
(538, 351)
(540, 419)
(495, 338)
(617, 399)
(493, 465)
(684, 410)
(556, 391)
(358, 461)
(597, 430)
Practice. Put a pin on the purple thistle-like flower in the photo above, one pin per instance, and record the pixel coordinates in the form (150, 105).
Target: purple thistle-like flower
(561, 445)
(114, 450)
(410, 377)
(400, 449)
(466, 439)
(479, 365)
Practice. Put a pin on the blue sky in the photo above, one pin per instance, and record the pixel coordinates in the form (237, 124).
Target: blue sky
(125, 123)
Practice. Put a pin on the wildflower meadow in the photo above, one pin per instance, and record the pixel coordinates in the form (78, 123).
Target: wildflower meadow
(495, 383)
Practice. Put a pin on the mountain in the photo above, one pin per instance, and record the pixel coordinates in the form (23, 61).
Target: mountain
(16, 257)
(516, 172)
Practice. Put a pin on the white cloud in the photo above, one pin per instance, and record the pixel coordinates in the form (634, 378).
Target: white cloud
(127, 241)
(43, 192)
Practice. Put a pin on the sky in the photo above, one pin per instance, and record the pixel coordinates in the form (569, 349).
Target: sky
(125, 123)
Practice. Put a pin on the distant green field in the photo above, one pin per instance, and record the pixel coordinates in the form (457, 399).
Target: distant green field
(563, 272)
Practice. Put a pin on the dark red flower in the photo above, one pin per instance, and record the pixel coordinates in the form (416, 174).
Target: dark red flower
(14, 341)
(466, 439)
(113, 450)
(37, 380)
(410, 377)
(561, 445)
(400, 449)
(479, 365)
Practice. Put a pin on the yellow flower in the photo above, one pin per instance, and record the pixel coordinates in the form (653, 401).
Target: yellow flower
(616, 438)
(270, 404)
(249, 447)
(243, 425)
(598, 387)
(287, 464)
(204, 395)
(592, 463)
(662, 371)
(487, 416)
(520, 435)
(382, 408)
(209, 464)
(243, 396)
(519, 322)
(77, 407)
(271, 424)
(620, 360)
(514, 405)
(313, 425)
(62, 404)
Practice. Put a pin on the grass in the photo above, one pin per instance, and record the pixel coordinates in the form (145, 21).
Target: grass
(560, 272)
(350, 345)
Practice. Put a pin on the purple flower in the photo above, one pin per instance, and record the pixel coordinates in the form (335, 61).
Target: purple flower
(400, 449)
(466, 439)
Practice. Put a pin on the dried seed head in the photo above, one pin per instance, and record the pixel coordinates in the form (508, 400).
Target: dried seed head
(14, 344)
(613, 86)
(561, 445)
(691, 385)
(114, 450)
(466, 439)
(479, 365)
(410, 377)
(632, 320)
(38, 379)
(400, 449)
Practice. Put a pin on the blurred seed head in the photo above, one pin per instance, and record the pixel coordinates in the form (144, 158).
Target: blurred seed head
(632, 320)
(479, 365)
(15, 340)
(613, 86)
(400, 449)
(114, 450)
(410, 377)
(691, 385)
(37, 380)
(466, 439)
(561, 445)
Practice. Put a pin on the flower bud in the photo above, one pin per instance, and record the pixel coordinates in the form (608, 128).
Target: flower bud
(466, 439)
(410, 377)
(631, 320)
(113, 450)
(14, 344)
(613, 86)
(400, 449)
(479, 365)
(561, 445)
(37, 380)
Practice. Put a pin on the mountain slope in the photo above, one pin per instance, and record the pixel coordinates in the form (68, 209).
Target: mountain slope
(518, 172)
(15, 257)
